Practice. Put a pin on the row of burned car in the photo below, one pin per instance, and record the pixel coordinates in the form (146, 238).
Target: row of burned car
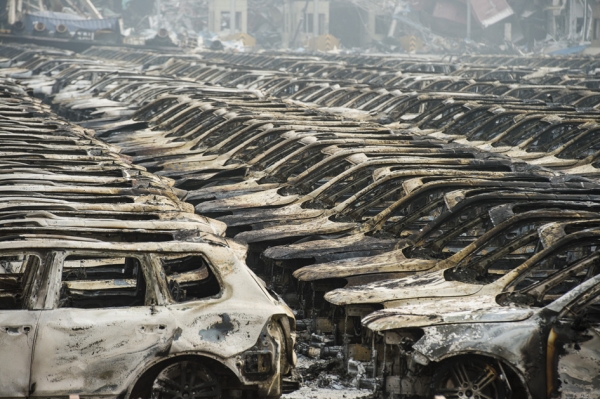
(432, 253)
(111, 285)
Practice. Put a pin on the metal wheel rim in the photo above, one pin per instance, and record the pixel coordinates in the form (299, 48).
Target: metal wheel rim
(470, 380)
(185, 380)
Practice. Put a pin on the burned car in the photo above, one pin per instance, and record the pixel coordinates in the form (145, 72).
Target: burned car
(170, 320)
(495, 351)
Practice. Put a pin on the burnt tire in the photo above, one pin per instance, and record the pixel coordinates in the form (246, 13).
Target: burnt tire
(469, 378)
(284, 365)
(186, 380)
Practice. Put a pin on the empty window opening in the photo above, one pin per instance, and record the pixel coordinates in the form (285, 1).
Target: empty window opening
(14, 272)
(102, 282)
(190, 278)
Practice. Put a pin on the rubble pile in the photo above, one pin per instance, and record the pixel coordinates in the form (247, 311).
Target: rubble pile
(433, 224)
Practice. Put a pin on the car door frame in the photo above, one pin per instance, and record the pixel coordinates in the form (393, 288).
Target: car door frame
(560, 328)
(88, 351)
(23, 323)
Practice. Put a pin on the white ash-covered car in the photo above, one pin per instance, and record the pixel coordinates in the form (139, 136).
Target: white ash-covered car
(146, 320)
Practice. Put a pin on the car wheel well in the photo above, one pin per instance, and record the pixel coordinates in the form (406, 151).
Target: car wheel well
(142, 386)
(515, 378)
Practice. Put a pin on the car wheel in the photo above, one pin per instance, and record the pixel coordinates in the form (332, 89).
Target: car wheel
(468, 378)
(186, 380)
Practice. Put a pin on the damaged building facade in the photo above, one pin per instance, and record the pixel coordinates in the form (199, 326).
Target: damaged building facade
(404, 26)
(532, 25)
(419, 25)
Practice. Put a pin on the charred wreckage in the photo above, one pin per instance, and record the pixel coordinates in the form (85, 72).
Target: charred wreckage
(433, 224)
